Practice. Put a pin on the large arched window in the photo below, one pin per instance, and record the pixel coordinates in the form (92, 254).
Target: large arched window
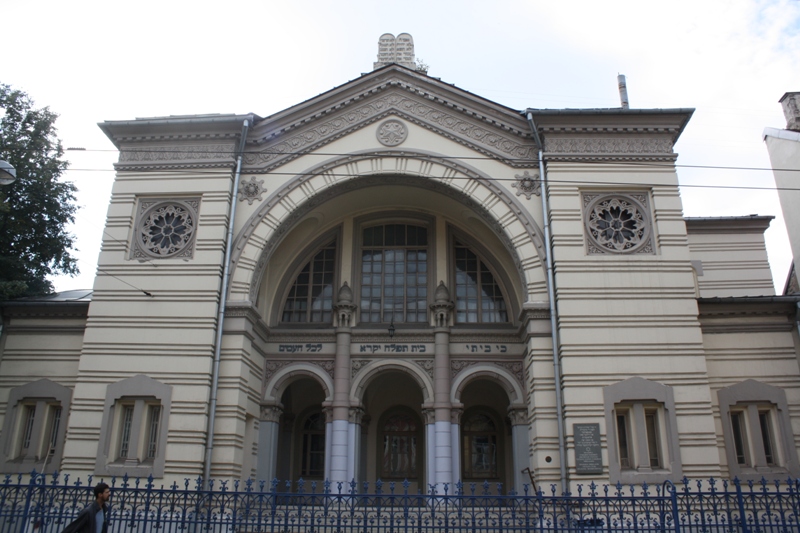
(311, 297)
(478, 295)
(479, 447)
(400, 441)
(394, 273)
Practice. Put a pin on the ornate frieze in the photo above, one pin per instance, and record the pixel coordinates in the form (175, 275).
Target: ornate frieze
(133, 157)
(513, 367)
(356, 365)
(272, 366)
(609, 147)
(457, 365)
(426, 365)
(165, 228)
(617, 223)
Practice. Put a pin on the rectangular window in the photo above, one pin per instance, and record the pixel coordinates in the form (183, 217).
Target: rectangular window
(739, 437)
(767, 436)
(27, 429)
(653, 440)
(625, 459)
(154, 416)
(125, 433)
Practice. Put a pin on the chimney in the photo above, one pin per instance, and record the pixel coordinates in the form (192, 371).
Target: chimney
(623, 91)
(398, 50)
(791, 110)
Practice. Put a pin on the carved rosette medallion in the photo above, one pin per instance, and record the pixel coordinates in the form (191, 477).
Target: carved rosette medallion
(617, 223)
(251, 190)
(165, 229)
(457, 365)
(527, 184)
(392, 132)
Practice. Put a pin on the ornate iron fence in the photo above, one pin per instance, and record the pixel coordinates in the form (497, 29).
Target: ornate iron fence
(39, 504)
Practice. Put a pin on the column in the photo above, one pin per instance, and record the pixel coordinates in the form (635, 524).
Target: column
(354, 443)
(455, 441)
(268, 433)
(342, 455)
(443, 458)
(430, 448)
(520, 452)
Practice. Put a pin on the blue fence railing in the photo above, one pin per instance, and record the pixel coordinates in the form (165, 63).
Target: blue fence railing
(38, 504)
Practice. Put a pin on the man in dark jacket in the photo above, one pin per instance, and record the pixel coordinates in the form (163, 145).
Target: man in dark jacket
(93, 519)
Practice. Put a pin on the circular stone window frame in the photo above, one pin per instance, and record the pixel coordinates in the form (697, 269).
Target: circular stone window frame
(596, 246)
(149, 206)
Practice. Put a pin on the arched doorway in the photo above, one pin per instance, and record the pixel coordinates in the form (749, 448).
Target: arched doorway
(394, 430)
(301, 445)
(485, 443)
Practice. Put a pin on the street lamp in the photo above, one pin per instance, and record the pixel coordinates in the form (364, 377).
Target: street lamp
(8, 174)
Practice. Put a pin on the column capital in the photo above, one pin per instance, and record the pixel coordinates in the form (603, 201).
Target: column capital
(356, 415)
(518, 416)
(429, 415)
(271, 413)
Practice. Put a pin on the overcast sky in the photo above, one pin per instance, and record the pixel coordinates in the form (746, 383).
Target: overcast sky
(732, 61)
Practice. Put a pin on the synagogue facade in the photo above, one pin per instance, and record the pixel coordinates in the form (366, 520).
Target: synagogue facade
(400, 303)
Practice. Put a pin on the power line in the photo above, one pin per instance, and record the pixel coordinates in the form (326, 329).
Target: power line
(533, 162)
(550, 180)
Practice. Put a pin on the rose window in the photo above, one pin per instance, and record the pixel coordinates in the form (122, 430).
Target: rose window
(617, 225)
(167, 230)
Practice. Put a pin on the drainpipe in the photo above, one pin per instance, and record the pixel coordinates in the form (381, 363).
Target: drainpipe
(223, 297)
(551, 293)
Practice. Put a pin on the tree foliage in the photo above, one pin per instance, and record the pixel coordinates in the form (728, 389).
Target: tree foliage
(36, 209)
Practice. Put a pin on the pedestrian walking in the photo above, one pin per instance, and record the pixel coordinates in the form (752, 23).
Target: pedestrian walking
(93, 519)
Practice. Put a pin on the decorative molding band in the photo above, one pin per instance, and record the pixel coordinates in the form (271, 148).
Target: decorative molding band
(617, 148)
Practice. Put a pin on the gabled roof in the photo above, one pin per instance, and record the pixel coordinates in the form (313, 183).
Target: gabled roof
(485, 126)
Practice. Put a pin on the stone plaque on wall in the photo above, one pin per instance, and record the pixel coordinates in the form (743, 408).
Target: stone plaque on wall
(588, 455)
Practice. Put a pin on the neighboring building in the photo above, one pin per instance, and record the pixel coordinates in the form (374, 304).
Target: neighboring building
(784, 152)
(388, 313)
